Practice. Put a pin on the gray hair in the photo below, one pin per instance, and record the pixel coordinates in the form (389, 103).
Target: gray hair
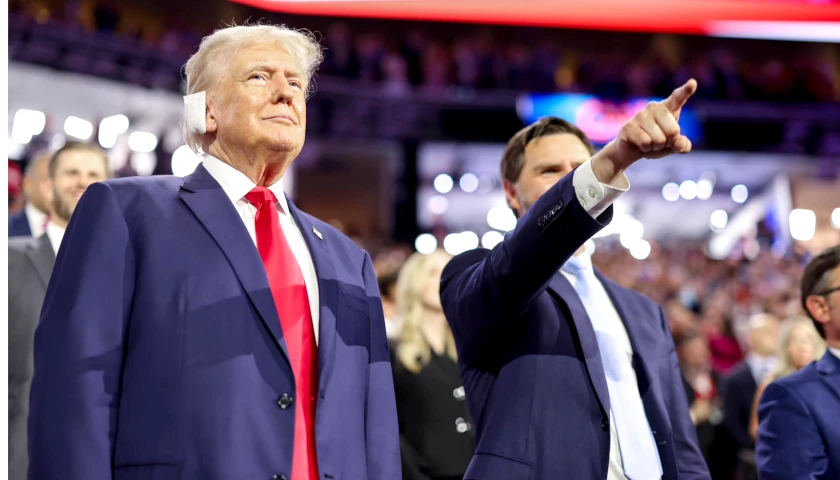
(205, 68)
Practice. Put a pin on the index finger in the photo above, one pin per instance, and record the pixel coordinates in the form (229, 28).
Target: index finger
(681, 95)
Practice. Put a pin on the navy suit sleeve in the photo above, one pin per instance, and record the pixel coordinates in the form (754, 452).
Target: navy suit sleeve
(479, 290)
(80, 343)
(789, 444)
(690, 462)
(382, 428)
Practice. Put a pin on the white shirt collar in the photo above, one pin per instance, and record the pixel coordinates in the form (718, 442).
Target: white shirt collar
(236, 184)
(36, 219)
(835, 351)
(55, 234)
(759, 366)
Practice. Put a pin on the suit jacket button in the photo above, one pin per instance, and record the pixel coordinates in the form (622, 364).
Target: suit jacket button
(605, 424)
(278, 477)
(285, 401)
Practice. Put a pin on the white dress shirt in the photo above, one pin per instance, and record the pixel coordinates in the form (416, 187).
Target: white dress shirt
(236, 185)
(834, 351)
(55, 234)
(596, 198)
(36, 219)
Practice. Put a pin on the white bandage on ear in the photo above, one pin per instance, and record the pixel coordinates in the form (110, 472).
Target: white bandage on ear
(195, 106)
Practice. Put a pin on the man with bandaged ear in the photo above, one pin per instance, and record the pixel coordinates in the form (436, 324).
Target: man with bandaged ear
(204, 327)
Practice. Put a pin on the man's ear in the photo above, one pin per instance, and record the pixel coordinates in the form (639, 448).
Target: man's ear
(512, 197)
(210, 117)
(817, 306)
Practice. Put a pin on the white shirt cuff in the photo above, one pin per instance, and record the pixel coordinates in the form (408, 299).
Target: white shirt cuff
(594, 196)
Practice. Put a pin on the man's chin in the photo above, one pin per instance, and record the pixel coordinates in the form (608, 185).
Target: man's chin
(285, 144)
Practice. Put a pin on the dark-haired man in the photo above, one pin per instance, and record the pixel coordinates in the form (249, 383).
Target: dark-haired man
(568, 375)
(799, 415)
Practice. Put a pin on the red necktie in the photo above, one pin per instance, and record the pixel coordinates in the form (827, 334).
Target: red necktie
(292, 302)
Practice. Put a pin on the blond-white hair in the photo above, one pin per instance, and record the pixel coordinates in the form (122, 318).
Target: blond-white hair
(784, 364)
(413, 350)
(205, 69)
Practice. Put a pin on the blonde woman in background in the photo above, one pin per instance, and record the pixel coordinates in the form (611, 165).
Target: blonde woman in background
(436, 436)
(799, 345)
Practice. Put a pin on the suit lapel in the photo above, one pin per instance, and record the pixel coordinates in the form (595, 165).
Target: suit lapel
(209, 203)
(829, 367)
(327, 292)
(586, 334)
(42, 257)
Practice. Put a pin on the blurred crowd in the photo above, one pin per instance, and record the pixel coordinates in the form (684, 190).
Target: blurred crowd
(435, 56)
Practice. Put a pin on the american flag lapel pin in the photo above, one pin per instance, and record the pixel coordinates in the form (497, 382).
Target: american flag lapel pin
(317, 233)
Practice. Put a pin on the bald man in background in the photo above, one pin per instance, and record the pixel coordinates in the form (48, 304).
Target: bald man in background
(31, 222)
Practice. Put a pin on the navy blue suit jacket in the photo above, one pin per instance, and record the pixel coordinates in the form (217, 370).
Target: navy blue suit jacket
(19, 225)
(160, 355)
(530, 362)
(799, 424)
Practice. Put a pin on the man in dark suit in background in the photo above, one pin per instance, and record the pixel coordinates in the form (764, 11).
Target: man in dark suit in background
(31, 221)
(799, 415)
(69, 172)
(739, 387)
(567, 374)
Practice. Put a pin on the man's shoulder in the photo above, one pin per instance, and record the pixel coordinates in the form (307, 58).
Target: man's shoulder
(127, 185)
(19, 245)
(136, 193)
(464, 260)
(797, 380)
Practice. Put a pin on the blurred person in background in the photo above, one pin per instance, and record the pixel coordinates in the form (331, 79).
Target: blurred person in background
(32, 220)
(387, 264)
(205, 327)
(799, 415)
(739, 387)
(700, 382)
(69, 172)
(436, 436)
(567, 374)
(388, 291)
(718, 328)
(16, 200)
(799, 345)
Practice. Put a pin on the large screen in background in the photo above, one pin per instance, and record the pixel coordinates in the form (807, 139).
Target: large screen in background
(599, 118)
(807, 20)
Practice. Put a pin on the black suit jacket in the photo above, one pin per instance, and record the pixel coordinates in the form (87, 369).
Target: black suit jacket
(738, 393)
(437, 438)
